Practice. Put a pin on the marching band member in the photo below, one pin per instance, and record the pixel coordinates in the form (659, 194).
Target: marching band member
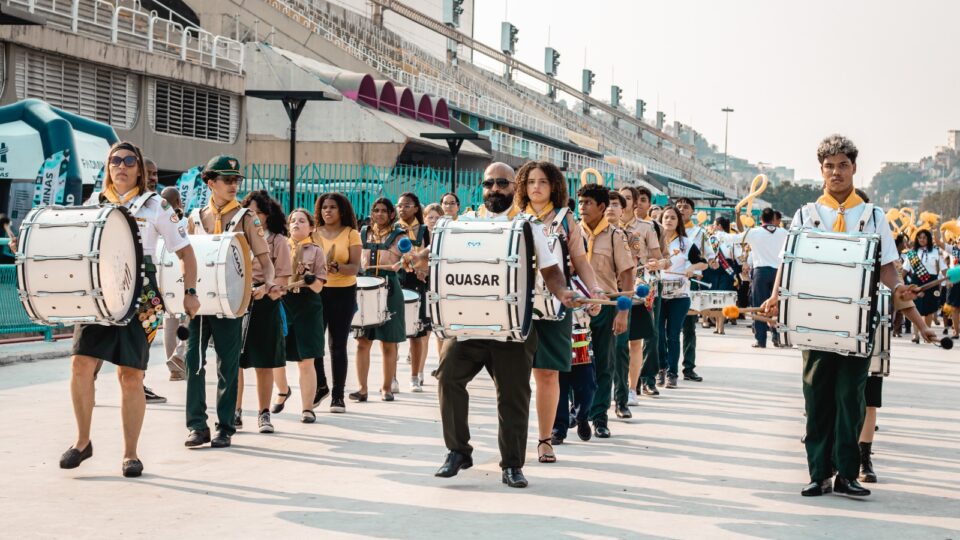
(834, 384)
(380, 249)
(645, 245)
(128, 346)
(921, 265)
(431, 215)
(222, 213)
(697, 236)
(541, 191)
(264, 348)
(613, 264)
(173, 347)
(450, 204)
(340, 239)
(722, 272)
(410, 214)
(509, 363)
(766, 246)
(682, 260)
(621, 353)
(650, 367)
(305, 308)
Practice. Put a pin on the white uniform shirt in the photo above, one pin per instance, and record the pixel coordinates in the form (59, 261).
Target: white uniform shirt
(932, 260)
(766, 248)
(156, 218)
(545, 257)
(878, 224)
(679, 254)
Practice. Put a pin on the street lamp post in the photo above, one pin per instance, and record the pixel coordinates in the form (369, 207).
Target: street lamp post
(726, 138)
(454, 141)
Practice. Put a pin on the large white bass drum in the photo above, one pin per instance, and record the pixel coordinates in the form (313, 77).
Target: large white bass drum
(80, 264)
(828, 291)
(481, 279)
(224, 275)
(880, 358)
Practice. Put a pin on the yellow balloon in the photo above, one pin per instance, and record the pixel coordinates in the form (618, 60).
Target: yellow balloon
(748, 221)
(893, 214)
(701, 217)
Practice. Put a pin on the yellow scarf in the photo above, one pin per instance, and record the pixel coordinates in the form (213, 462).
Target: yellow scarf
(111, 194)
(540, 215)
(218, 213)
(409, 228)
(688, 224)
(601, 226)
(840, 225)
(482, 212)
(294, 244)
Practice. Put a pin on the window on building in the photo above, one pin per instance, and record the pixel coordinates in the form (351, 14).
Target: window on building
(189, 111)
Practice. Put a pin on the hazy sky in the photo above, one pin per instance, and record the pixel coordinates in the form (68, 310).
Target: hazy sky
(884, 72)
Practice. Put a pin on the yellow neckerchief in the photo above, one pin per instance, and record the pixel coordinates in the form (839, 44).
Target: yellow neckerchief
(111, 194)
(379, 235)
(625, 225)
(218, 213)
(688, 224)
(409, 227)
(294, 244)
(601, 226)
(539, 215)
(840, 225)
(672, 238)
(482, 212)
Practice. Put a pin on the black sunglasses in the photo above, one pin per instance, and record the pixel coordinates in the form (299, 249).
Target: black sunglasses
(128, 161)
(501, 182)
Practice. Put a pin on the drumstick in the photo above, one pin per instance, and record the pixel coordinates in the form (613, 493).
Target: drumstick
(692, 280)
(623, 303)
(946, 343)
(642, 291)
(308, 279)
(733, 312)
(404, 245)
(953, 276)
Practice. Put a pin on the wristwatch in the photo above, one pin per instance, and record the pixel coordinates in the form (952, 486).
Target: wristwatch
(190, 292)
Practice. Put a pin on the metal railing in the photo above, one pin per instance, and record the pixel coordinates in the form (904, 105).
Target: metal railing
(132, 26)
(13, 318)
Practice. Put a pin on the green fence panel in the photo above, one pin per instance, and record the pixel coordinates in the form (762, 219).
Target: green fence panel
(13, 318)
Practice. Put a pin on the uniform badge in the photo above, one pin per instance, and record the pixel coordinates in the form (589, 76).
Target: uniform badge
(174, 218)
(164, 204)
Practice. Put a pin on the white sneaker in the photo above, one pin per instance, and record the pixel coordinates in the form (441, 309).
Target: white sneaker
(415, 385)
(632, 399)
(395, 386)
(420, 378)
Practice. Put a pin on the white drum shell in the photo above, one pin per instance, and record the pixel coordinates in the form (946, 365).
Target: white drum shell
(827, 291)
(411, 312)
(371, 302)
(880, 358)
(80, 264)
(546, 306)
(224, 275)
(711, 300)
(481, 279)
(672, 288)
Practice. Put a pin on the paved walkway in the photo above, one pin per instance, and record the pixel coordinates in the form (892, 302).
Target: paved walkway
(716, 459)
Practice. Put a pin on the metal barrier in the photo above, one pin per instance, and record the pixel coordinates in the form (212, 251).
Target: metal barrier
(13, 318)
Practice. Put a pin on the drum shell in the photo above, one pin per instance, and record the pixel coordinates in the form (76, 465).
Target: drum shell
(880, 357)
(711, 300)
(224, 275)
(411, 312)
(93, 271)
(546, 306)
(372, 296)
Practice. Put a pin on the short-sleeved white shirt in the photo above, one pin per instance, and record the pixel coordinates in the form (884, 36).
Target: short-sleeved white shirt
(878, 224)
(156, 218)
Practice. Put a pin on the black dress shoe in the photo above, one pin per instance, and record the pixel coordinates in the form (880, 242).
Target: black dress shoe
(222, 440)
(132, 468)
(815, 488)
(649, 390)
(583, 431)
(661, 377)
(624, 412)
(849, 487)
(197, 437)
(867, 474)
(452, 465)
(691, 375)
(72, 458)
(322, 392)
(600, 429)
(555, 438)
(758, 346)
(513, 477)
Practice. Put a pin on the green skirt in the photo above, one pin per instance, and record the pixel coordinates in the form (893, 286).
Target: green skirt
(304, 325)
(263, 347)
(395, 329)
(554, 343)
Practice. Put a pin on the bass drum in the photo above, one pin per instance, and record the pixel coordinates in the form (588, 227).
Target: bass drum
(80, 264)
(224, 275)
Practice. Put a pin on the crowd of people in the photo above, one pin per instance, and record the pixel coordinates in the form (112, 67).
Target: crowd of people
(306, 265)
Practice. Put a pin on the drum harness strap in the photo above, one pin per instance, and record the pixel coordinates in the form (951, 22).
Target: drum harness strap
(375, 248)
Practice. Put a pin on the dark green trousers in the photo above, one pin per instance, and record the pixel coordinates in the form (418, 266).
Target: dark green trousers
(833, 387)
(621, 366)
(690, 342)
(509, 365)
(604, 354)
(227, 341)
(651, 350)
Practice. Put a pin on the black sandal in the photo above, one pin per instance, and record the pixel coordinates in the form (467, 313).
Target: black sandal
(277, 407)
(547, 457)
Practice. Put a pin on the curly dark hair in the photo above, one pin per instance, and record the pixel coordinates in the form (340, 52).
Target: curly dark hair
(347, 216)
(599, 194)
(558, 184)
(276, 219)
(916, 240)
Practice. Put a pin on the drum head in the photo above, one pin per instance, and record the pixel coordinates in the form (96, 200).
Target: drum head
(524, 276)
(121, 258)
(239, 274)
(410, 297)
(370, 282)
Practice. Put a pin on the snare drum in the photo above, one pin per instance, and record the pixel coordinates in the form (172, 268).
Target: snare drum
(673, 288)
(711, 300)
(411, 312)
(224, 275)
(80, 264)
(880, 357)
(481, 279)
(546, 306)
(582, 351)
(828, 291)
(371, 302)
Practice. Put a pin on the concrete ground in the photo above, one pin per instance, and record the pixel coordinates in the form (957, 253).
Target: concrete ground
(717, 459)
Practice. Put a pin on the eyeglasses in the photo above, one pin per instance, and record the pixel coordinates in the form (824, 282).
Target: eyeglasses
(231, 179)
(128, 161)
(501, 182)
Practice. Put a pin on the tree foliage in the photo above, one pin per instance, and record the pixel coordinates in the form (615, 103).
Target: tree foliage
(893, 184)
(789, 197)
